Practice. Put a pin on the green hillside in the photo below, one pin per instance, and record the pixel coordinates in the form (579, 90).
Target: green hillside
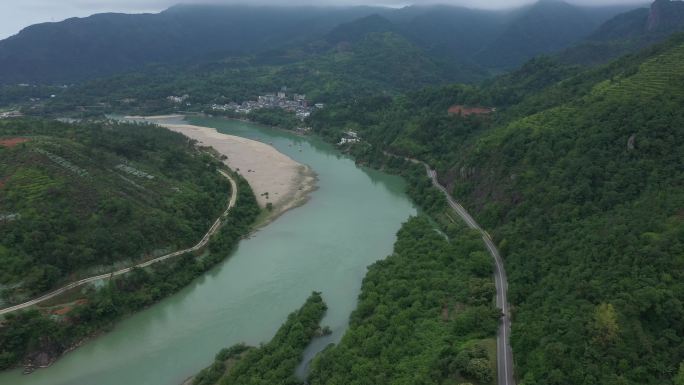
(79, 197)
(628, 32)
(223, 54)
(580, 183)
(547, 26)
(661, 74)
(377, 63)
(76, 197)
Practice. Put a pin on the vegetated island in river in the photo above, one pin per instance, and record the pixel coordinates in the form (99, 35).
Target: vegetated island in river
(279, 182)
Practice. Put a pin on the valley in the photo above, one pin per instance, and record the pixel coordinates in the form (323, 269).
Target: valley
(267, 277)
(424, 194)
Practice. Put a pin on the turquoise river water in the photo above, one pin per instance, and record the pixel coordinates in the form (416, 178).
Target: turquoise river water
(325, 245)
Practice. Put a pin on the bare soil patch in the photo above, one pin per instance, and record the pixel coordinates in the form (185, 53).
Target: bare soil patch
(12, 142)
(467, 111)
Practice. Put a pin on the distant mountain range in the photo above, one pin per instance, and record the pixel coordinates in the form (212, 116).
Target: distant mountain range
(100, 45)
(628, 32)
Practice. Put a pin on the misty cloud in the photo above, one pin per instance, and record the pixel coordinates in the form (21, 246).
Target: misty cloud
(17, 14)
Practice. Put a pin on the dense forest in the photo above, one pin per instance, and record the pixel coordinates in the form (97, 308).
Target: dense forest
(38, 337)
(381, 62)
(471, 40)
(273, 362)
(425, 316)
(341, 54)
(77, 198)
(575, 172)
(577, 175)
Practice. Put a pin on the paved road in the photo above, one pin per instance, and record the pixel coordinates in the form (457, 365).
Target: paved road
(504, 353)
(214, 227)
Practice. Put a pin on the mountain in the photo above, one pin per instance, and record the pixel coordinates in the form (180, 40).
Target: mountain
(628, 32)
(627, 25)
(578, 179)
(356, 30)
(496, 40)
(105, 44)
(665, 16)
(662, 19)
(376, 63)
(452, 32)
(546, 26)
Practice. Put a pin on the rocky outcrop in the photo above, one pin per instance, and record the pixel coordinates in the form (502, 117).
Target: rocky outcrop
(631, 142)
(666, 15)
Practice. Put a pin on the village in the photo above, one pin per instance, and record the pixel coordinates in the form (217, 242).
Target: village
(296, 103)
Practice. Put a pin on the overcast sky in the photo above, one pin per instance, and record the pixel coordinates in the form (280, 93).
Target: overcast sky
(17, 14)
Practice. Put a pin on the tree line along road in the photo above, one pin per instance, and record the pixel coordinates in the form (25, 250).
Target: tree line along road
(203, 242)
(504, 353)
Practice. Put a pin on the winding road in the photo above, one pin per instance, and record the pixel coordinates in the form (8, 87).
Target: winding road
(203, 242)
(504, 353)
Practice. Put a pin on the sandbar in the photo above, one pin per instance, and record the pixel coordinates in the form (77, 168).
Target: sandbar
(273, 176)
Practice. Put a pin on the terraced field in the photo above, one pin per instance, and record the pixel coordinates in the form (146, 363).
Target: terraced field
(663, 73)
(80, 211)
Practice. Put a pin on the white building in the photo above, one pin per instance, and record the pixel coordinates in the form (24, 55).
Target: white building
(348, 141)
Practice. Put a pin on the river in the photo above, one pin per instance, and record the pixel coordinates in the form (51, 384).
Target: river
(325, 245)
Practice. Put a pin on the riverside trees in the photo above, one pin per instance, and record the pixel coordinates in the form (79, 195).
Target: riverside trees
(37, 338)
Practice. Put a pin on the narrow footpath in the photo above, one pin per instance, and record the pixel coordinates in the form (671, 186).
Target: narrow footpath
(203, 242)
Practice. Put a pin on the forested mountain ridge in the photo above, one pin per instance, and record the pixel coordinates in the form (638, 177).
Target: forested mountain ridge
(629, 32)
(106, 44)
(545, 27)
(373, 63)
(81, 197)
(587, 196)
(387, 52)
(579, 181)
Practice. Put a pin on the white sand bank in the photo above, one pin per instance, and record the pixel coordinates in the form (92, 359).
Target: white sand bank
(287, 182)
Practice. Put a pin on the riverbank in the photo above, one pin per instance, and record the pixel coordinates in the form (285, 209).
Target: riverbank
(275, 178)
(325, 245)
